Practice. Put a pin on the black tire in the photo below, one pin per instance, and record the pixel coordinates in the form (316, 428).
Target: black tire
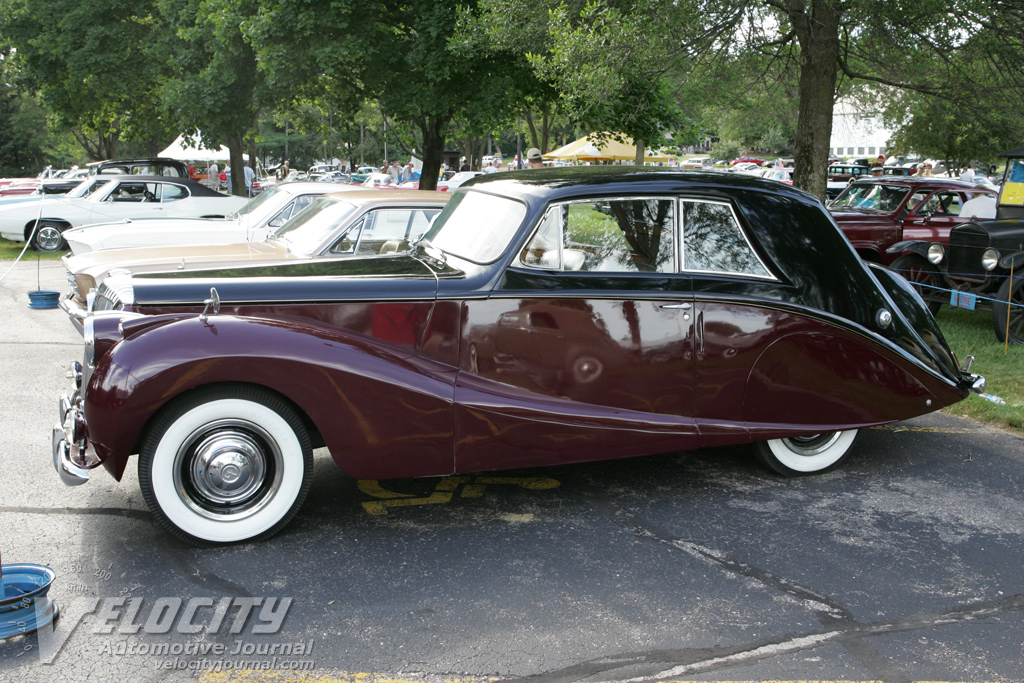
(1015, 324)
(804, 455)
(918, 271)
(225, 465)
(48, 237)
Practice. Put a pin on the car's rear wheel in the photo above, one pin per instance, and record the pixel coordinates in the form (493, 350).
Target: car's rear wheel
(48, 237)
(1007, 313)
(801, 455)
(923, 276)
(226, 464)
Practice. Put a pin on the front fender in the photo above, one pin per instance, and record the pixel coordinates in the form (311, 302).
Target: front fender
(919, 247)
(379, 409)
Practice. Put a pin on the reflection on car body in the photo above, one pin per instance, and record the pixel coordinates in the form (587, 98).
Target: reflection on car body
(548, 316)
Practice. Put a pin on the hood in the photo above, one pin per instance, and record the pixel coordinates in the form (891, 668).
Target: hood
(856, 215)
(171, 258)
(379, 278)
(148, 231)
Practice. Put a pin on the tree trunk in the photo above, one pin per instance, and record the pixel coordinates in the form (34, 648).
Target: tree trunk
(818, 35)
(433, 150)
(639, 161)
(235, 146)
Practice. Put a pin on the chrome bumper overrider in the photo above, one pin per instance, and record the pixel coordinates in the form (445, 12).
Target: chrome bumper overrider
(76, 312)
(71, 456)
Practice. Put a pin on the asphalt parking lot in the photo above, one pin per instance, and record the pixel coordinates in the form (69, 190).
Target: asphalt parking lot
(903, 565)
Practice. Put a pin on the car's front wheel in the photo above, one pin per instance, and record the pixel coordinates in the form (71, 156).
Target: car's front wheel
(923, 276)
(48, 237)
(800, 455)
(226, 464)
(1008, 313)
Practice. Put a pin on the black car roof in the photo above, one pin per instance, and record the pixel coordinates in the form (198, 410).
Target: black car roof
(566, 182)
(196, 189)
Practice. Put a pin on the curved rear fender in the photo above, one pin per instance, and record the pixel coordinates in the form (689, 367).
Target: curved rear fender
(381, 413)
(830, 379)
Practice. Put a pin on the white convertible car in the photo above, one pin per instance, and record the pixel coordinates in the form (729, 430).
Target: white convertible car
(122, 197)
(253, 222)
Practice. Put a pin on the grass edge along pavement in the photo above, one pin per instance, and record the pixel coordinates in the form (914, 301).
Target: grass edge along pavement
(968, 333)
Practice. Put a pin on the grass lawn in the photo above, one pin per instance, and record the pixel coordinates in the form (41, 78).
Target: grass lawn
(970, 333)
(9, 251)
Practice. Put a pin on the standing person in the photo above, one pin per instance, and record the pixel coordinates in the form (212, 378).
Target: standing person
(227, 178)
(967, 174)
(465, 165)
(285, 170)
(395, 171)
(213, 174)
(407, 172)
(250, 176)
(491, 168)
(534, 158)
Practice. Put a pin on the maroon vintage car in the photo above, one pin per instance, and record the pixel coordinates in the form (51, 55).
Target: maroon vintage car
(548, 316)
(875, 213)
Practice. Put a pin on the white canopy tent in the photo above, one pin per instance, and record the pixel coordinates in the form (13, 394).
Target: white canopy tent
(178, 150)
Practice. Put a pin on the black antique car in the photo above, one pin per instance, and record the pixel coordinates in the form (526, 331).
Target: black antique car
(983, 264)
(548, 316)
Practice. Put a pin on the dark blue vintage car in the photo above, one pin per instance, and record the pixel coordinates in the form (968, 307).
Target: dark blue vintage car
(547, 317)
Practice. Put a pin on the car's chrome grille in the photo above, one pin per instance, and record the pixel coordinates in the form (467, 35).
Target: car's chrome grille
(965, 249)
(113, 294)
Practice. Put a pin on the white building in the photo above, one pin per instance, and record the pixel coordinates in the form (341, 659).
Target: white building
(858, 131)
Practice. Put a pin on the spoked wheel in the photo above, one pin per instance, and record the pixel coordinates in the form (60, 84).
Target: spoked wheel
(48, 237)
(1014, 323)
(800, 455)
(225, 465)
(922, 275)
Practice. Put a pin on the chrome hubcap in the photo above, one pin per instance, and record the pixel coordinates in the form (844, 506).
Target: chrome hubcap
(48, 238)
(815, 444)
(228, 469)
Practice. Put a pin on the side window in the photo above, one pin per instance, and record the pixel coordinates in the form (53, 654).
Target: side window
(291, 209)
(388, 231)
(714, 242)
(129, 192)
(916, 199)
(171, 193)
(545, 249)
(346, 243)
(609, 236)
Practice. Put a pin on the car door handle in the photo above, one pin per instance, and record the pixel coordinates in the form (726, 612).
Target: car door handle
(683, 306)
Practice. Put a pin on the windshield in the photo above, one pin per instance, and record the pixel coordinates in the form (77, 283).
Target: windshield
(319, 222)
(85, 188)
(257, 203)
(477, 226)
(876, 197)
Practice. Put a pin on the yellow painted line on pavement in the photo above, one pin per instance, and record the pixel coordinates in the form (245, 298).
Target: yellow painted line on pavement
(257, 676)
(445, 490)
(930, 430)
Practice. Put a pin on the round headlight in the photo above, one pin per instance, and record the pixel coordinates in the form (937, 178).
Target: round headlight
(936, 253)
(990, 259)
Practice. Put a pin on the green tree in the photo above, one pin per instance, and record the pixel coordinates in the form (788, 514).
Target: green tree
(397, 53)
(97, 65)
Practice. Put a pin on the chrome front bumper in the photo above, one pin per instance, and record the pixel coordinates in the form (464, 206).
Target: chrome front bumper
(76, 312)
(71, 453)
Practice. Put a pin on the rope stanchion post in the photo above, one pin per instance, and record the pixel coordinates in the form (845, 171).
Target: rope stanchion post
(1009, 304)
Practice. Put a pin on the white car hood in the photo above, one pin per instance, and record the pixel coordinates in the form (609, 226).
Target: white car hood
(156, 232)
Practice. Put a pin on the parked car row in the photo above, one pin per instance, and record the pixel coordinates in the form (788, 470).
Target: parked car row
(541, 317)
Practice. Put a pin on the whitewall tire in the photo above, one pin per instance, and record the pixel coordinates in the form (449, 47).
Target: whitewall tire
(797, 456)
(226, 464)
